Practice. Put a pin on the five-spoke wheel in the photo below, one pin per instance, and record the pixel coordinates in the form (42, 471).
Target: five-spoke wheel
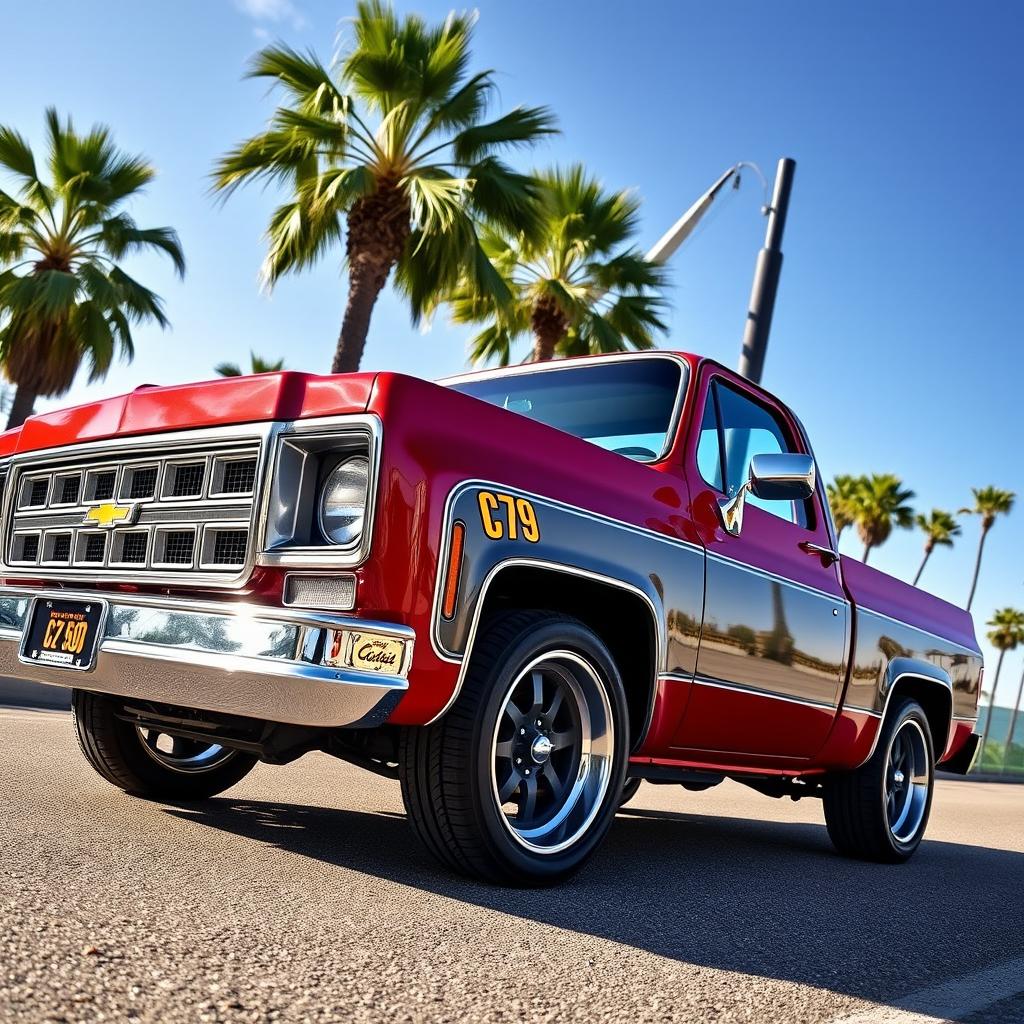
(519, 781)
(552, 751)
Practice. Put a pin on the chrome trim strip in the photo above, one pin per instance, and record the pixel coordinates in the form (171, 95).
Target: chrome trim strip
(917, 629)
(672, 431)
(753, 691)
(659, 637)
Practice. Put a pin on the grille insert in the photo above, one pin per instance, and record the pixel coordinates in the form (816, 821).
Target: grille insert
(133, 548)
(103, 486)
(69, 490)
(239, 476)
(179, 546)
(95, 548)
(143, 483)
(188, 480)
(61, 550)
(38, 492)
(229, 547)
(29, 548)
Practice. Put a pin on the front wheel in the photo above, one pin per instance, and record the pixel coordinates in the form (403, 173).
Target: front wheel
(879, 811)
(519, 782)
(150, 763)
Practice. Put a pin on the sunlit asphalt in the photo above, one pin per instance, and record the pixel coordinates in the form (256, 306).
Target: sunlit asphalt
(301, 895)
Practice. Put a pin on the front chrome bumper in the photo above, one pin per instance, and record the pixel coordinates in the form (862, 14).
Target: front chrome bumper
(239, 659)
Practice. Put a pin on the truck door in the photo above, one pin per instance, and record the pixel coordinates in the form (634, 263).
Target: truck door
(774, 642)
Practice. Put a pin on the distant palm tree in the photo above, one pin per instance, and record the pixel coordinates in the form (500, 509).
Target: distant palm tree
(577, 289)
(939, 530)
(841, 495)
(1013, 717)
(1006, 632)
(259, 365)
(63, 298)
(394, 149)
(989, 502)
(879, 504)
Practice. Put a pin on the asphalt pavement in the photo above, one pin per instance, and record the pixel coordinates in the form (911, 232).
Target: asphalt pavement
(301, 895)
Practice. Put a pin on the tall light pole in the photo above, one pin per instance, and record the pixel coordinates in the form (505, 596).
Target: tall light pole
(769, 259)
(766, 277)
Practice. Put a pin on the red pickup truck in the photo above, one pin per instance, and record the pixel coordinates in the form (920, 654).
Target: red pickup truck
(519, 592)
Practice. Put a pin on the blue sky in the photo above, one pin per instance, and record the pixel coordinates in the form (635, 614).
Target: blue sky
(897, 333)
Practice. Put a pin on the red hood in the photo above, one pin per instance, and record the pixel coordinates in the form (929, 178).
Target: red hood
(149, 409)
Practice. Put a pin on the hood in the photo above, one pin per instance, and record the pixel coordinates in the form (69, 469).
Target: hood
(150, 409)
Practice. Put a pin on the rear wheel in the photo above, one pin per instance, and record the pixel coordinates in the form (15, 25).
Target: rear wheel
(150, 763)
(879, 811)
(519, 781)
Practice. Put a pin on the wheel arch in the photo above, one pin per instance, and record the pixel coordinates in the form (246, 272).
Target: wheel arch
(615, 610)
(930, 686)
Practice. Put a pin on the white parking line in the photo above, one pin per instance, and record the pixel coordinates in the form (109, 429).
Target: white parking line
(949, 1001)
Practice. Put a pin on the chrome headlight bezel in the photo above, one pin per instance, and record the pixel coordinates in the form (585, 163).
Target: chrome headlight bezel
(304, 454)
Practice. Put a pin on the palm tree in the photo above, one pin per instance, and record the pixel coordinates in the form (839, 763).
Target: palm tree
(393, 149)
(939, 530)
(257, 363)
(879, 504)
(1013, 719)
(63, 298)
(576, 289)
(989, 502)
(1006, 632)
(842, 493)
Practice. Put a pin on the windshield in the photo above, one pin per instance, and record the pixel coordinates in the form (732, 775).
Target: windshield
(623, 405)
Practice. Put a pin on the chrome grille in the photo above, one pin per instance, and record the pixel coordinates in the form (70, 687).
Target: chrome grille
(177, 506)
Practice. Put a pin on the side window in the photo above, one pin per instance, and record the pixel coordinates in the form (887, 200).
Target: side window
(733, 431)
(709, 453)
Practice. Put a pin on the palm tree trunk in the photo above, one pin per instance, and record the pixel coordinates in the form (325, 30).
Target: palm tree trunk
(549, 327)
(867, 551)
(1013, 720)
(366, 279)
(924, 562)
(21, 407)
(991, 705)
(378, 228)
(977, 565)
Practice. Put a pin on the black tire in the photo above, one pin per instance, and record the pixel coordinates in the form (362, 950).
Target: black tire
(116, 749)
(629, 791)
(863, 807)
(449, 770)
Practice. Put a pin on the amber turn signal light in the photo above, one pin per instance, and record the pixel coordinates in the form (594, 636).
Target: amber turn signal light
(451, 583)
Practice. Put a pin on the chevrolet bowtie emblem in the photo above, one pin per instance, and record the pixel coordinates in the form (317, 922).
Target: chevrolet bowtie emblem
(110, 515)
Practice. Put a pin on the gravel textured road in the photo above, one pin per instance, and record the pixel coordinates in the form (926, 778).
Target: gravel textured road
(302, 896)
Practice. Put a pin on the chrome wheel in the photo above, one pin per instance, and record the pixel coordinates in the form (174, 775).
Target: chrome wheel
(552, 752)
(183, 755)
(907, 781)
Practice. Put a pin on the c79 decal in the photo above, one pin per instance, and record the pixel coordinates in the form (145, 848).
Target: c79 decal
(504, 515)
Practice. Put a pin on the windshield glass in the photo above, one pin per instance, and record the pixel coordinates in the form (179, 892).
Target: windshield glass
(622, 405)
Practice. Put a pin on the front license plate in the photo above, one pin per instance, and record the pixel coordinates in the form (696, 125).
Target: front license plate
(64, 634)
(368, 652)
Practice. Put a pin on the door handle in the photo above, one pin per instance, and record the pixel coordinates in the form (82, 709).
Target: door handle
(827, 555)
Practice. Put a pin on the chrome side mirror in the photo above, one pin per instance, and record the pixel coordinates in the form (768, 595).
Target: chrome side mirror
(779, 476)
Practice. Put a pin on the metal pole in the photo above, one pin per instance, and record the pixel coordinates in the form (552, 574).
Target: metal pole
(766, 277)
